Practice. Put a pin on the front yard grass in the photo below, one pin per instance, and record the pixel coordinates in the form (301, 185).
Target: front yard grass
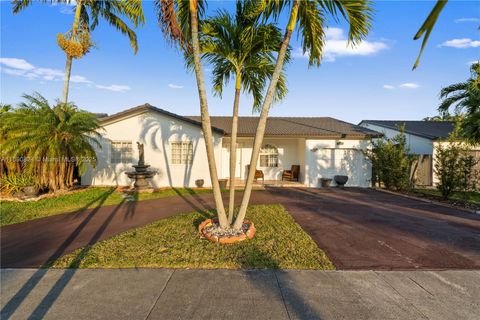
(16, 212)
(175, 243)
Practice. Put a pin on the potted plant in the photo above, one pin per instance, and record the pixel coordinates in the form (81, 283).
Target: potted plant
(199, 183)
(340, 180)
(325, 182)
(223, 183)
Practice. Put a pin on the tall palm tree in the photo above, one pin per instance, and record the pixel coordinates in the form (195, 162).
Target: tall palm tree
(240, 47)
(53, 139)
(464, 97)
(179, 20)
(311, 17)
(76, 43)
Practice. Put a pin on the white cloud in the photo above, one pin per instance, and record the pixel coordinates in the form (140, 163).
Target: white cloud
(66, 10)
(336, 45)
(16, 63)
(175, 86)
(461, 43)
(467, 20)
(22, 68)
(409, 85)
(388, 86)
(114, 87)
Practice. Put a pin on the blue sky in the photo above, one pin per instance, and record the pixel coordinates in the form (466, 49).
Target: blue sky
(375, 81)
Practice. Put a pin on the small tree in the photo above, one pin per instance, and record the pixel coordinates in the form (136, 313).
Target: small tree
(391, 162)
(447, 168)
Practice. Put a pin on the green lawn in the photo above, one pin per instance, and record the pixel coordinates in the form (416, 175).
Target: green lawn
(15, 212)
(175, 243)
(473, 196)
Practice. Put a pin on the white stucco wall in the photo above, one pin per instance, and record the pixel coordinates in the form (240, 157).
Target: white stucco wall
(156, 131)
(327, 158)
(418, 145)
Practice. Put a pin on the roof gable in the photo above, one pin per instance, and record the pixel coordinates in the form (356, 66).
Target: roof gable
(147, 107)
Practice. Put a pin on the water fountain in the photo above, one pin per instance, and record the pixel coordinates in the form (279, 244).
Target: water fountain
(141, 174)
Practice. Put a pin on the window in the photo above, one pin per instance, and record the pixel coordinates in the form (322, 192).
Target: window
(269, 156)
(121, 152)
(182, 152)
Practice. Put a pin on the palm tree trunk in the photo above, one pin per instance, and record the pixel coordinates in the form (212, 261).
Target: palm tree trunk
(68, 66)
(206, 125)
(262, 122)
(233, 147)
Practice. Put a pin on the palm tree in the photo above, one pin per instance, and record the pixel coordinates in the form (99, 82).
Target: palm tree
(240, 47)
(53, 139)
(464, 97)
(179, 21)
(76, 43)
(311, 18)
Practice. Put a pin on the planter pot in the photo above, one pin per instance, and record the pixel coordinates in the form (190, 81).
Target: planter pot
(227, 239)
(325, 182)
(223, 183)
(199, 183)
(340, 180)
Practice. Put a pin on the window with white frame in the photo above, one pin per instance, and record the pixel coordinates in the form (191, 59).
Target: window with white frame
(182, 152)
(121, 152)
(269, 156)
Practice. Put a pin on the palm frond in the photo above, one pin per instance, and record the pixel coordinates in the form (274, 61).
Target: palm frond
(427, 28)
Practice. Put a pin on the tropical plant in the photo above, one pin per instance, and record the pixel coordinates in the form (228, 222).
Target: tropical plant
(77, 41)
(464, 98)
(50, 141)
(391, 162)
(240, 47)
(179, 21)
(12, 184)
(311, 19)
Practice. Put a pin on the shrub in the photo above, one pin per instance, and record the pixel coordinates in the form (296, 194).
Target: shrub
(391, 162)
(455, 169)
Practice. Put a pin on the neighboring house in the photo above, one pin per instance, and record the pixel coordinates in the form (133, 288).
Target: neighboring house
(422, 137)
(175, 148)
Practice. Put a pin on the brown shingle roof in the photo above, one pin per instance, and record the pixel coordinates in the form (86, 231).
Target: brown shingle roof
(319, 127)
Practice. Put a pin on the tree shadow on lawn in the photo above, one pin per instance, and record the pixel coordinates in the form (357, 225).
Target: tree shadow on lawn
(40, 311)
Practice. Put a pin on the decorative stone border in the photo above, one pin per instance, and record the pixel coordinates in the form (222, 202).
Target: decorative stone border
(226, 240)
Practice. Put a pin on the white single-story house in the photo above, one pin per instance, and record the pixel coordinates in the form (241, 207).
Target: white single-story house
(422, 137)
(174, 146)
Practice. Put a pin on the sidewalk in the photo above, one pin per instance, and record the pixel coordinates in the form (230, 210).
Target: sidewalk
(238, 294)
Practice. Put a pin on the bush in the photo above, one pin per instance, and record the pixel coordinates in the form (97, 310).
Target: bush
(391, 162)
(455, 169)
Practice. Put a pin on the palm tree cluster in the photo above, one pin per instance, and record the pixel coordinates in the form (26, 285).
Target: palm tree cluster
(49, 140)
(464, 99)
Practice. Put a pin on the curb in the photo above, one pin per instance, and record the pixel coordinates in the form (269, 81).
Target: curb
(427, 201)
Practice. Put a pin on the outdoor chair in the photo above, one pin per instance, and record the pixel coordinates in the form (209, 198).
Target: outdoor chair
(258, 174)
(292, 174)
